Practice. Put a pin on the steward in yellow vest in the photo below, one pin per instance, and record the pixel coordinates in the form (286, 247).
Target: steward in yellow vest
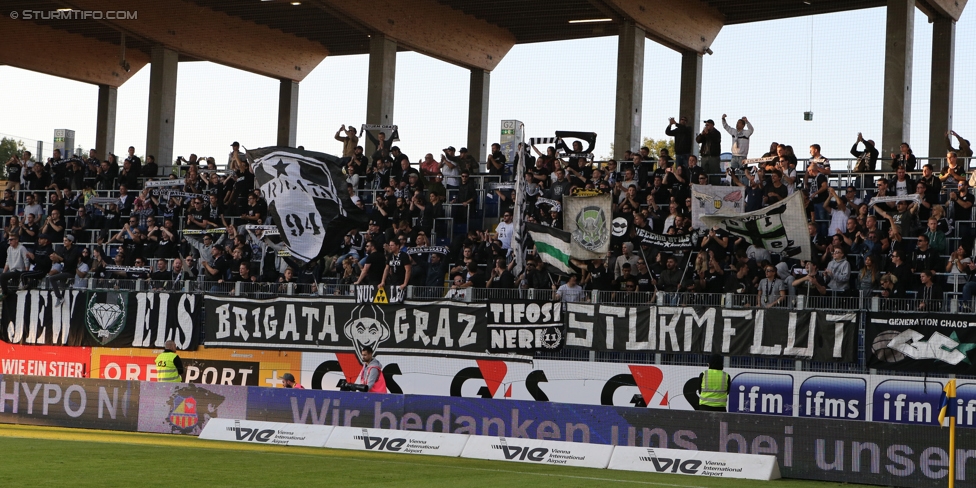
(715, 386)
(169, 367)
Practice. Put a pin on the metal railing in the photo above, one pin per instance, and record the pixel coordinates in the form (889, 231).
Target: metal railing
(260, 290)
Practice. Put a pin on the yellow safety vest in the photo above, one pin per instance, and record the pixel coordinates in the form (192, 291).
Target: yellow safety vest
(166, 368)
(713, 388)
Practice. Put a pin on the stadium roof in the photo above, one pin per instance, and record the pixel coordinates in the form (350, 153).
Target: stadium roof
(288, 38)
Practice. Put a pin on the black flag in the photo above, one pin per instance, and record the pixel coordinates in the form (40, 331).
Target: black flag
(307, 196)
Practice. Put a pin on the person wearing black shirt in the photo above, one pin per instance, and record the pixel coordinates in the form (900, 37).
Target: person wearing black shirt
(160, 276)
(42, 262)
(496, 160)
(683, 138)
(645, 282)
(197, 217)
(775, 190)
(867, 160)
(29, 231)
(8, 205)
(375, 266)
(217, 270)
(500, 277)
(397, 270)
(150, 169)
(67, 256)
(711, 148)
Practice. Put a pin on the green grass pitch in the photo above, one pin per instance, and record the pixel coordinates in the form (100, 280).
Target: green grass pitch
(49, 456)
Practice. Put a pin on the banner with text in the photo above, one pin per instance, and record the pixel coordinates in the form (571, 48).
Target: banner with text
(811, 335)
(935, 342)
(324, 325)
(525, 327)
(101, 318)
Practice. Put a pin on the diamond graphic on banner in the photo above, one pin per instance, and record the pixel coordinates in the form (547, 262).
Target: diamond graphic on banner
(105, 321)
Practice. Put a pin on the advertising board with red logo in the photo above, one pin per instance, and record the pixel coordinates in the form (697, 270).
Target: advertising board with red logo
(204, 366)
(72, 362)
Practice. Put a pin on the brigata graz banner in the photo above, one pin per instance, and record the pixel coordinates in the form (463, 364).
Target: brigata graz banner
(934, 342)
(329, 325)
(812, 335)
(101, 318)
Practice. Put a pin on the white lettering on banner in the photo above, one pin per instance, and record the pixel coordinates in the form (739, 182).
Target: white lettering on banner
(272, 433)
(695, 463)
(538, 451)
(939, 347)
(757, 337)
(791, 350)
(728, 330)
(179, 331)
(574, 324)
(223, 324)
(839, 321)
(400, 441)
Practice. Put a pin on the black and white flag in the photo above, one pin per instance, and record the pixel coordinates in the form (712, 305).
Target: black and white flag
(306, 192)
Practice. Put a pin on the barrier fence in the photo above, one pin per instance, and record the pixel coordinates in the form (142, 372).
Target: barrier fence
(827, 449)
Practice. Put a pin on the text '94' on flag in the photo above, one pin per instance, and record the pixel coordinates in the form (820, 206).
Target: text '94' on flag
(307, 197)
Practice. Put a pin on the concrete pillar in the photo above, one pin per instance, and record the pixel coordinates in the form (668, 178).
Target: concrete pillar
(689, 101)
(162, 105)
(943, 66)
(105, 120)
(897, 114)
(287, 113)
(630, 89)
(478, 114)
(380, 84)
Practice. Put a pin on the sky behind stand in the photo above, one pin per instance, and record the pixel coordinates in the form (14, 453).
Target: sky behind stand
(770, 72)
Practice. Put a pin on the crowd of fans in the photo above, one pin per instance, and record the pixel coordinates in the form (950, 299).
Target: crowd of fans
(432, 221)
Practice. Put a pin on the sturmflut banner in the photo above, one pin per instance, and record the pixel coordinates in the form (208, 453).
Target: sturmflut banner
(446, 328)
(780, 228)
(811, 335)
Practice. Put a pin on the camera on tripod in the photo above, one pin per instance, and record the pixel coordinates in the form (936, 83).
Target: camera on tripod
(347, 386)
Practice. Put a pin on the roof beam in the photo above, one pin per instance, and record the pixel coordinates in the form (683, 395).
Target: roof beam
(451, 35)
(60, 53)
(208, 35)
(683, 25)
(946, 8)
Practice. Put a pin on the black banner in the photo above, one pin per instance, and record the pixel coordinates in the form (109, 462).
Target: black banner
(69, 402)
(525, 327)
(101, 318)
(450, 329)
(934, 342)
(811, 335)
(666, 242)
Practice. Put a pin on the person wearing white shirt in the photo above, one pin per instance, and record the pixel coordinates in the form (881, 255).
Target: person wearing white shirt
(505, 229)
(740, 140)
(18, 259)
(570, 292)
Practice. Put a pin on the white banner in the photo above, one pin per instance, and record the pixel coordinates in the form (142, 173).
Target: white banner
(400, 441)
(275, 433)
(165, 183)
(714, 199)
(695, 463)
(587, 219)
(538, 451)
(780, 228)
(914, 198)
